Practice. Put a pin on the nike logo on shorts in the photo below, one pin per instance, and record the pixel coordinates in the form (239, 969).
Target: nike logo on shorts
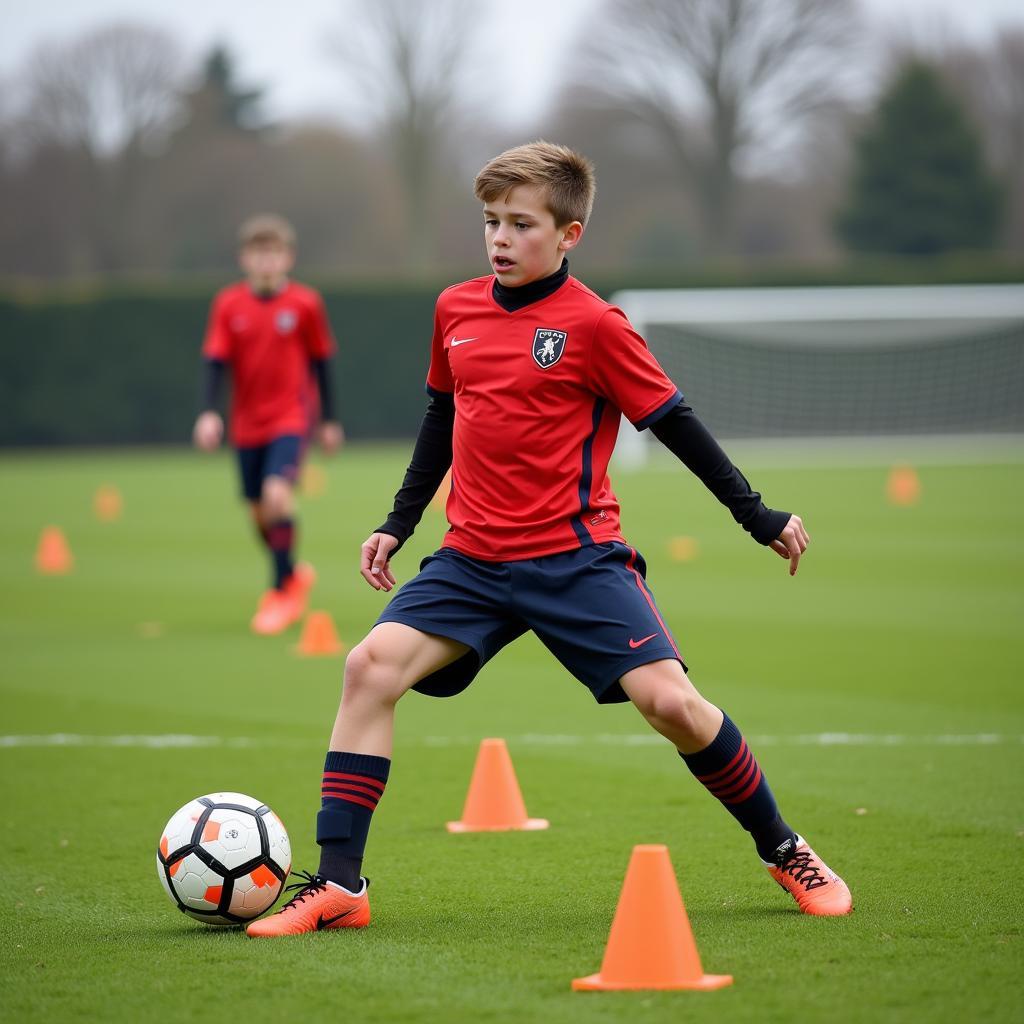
(461, 341)
(639, 643)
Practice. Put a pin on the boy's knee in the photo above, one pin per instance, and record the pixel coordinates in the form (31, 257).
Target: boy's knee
(678, 709)
(276, 500)
(368, 676)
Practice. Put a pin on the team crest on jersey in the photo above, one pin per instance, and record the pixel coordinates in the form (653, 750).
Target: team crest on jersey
(285, 321)
(548, 347)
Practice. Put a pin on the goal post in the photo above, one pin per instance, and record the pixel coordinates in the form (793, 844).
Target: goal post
(837, 362)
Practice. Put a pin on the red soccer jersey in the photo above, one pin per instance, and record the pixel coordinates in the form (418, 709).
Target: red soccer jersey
(538, 398)
(269, 343)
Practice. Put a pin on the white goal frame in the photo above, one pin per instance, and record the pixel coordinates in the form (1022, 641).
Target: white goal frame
(943, 305)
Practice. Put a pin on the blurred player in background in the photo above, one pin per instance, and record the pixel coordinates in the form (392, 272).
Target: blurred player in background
(272, 334)
(530, 374)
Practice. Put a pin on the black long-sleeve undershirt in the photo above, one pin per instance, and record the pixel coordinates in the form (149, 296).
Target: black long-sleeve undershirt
(324, 381)
(213, 380)
(431, 459)
(679, 430)
(683, 434)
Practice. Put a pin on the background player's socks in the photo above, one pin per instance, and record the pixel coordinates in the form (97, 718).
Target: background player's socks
(352, 786)
(281, 540)
(729, 771)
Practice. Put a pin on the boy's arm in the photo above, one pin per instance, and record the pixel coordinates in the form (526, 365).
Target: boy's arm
(213, 379)
(431, 459)
(331, 434)
(209, 427)
(691, 442)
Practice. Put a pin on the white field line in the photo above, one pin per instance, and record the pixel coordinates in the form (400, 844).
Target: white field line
(823, 739)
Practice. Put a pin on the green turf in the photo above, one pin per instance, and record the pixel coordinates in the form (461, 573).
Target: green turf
(903, 622)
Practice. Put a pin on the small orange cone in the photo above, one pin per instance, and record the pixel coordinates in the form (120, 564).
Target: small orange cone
(53, 555)
(683, 549)
(650, 945)
(107, 503)
(314, 480)
(903, 486)
(494, 802)
(319, 637)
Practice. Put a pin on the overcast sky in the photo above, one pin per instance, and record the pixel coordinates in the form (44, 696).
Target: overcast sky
(280, 44)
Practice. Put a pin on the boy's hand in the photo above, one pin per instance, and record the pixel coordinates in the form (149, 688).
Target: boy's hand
(375, 563)
(792, 542)
(331, 436)
(208, 431)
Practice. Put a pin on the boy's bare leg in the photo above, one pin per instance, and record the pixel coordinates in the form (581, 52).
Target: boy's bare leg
(718, 756)
(277, 500)
(274, 515)
(378, 671)
(389, 662)
(672, 706)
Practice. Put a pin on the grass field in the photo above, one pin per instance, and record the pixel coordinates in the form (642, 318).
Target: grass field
(881, 689)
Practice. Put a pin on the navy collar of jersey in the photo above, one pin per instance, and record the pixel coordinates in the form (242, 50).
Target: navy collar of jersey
(513, 299)
(268, 295)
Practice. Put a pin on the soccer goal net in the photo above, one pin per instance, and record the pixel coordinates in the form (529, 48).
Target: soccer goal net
(834, 362)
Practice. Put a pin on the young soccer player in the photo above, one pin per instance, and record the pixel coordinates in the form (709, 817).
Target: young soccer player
(274, 336)
(530, 372)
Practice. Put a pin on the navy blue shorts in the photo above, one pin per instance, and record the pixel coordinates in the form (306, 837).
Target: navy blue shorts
(281, 457)
(590, 607)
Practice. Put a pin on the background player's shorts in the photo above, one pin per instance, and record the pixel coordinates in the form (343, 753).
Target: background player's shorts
(590, 607)
(281, 457)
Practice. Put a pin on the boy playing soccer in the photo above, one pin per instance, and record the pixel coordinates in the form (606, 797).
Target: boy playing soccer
(274, 336)
(529, 374)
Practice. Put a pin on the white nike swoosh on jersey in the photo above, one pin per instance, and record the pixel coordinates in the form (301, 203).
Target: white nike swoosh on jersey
(460, 341)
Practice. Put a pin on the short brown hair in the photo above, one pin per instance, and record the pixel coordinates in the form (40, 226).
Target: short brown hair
(266, 227)
(566, 176)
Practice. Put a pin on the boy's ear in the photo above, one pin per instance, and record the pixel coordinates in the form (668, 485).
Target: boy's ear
(571, 235)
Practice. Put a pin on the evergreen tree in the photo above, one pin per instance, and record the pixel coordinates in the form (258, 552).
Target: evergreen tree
(219, 103)
(920, 185)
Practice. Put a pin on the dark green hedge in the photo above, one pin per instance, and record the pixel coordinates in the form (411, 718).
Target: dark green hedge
(124, 368)
(119, 363)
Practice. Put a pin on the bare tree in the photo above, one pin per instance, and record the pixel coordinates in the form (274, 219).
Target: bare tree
(105, 92)
(91, 113)
(403, 59)
(723, 83)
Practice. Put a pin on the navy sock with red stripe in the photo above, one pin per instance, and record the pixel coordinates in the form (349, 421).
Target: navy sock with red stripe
(352, 786)
(729, 771)
(280, 537)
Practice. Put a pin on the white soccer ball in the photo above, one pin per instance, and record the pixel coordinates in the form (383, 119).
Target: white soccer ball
(223, 858)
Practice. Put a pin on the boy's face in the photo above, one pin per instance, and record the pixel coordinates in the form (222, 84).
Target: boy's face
(266, 264)
(524, 243)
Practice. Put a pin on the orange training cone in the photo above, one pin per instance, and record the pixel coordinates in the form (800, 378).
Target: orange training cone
(683, 549)
(319, 637)
(107, 503)
(53, 555)
(650, 945)
(313, 480)
(494, 802)
(903, 486)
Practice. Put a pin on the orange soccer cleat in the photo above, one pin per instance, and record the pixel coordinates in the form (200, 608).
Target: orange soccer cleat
(298, 586)
(318, 906)
(276, 612)
(816, 888)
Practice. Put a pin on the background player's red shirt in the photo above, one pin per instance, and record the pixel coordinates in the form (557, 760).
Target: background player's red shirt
(538, 398)
(269, 343)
